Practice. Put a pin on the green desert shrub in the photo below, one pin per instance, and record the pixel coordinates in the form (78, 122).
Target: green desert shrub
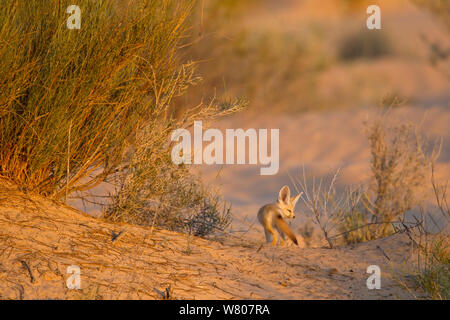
(71, 100)
(76, 103)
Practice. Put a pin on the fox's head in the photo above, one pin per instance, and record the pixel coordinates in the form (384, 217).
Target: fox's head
(286, 203)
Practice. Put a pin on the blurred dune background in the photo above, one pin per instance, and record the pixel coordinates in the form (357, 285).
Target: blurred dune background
(309, 55)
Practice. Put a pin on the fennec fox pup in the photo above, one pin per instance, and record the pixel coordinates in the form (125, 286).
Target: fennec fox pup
(271, 216)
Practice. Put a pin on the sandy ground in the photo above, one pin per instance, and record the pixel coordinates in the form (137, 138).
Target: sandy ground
(40, 239)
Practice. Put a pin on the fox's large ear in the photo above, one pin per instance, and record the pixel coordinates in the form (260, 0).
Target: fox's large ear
(295, 199)
(284, 194)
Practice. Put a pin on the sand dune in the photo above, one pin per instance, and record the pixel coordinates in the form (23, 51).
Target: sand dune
(40, 239)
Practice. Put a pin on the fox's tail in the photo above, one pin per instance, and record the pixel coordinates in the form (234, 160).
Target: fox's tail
(283, 226)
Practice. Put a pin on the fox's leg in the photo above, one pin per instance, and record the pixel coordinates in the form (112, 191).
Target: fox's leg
(282, 236)
(270, 235)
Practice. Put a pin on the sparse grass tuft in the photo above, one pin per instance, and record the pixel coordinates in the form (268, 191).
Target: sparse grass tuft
(433, 272)
(153, 191)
